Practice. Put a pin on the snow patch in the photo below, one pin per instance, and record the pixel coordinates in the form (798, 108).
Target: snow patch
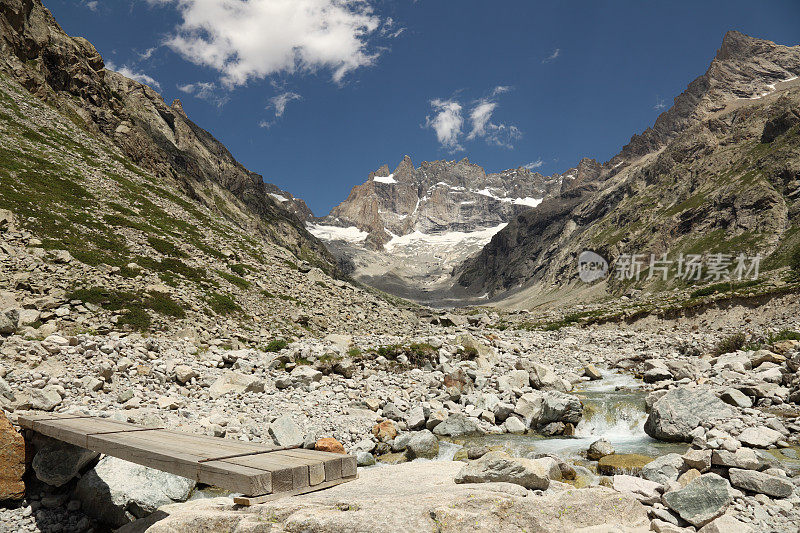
(449, 239)
(279, 197)
(336, 233)
(532, 202)
(385, 179)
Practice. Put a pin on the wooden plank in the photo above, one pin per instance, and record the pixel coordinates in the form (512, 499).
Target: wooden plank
(293, 472)
(236, 478)
(316, 467)
(247, 501)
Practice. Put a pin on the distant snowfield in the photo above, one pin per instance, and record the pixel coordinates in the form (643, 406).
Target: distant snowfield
(335, 233)
(532, 202)
(443, 240)
(385, 179)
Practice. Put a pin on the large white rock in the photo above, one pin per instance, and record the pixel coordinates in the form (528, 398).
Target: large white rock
(285, 432)
(116, 491)
(759, 437)
(681, 410)
(417, 497)
(501, 467)
(233, 382)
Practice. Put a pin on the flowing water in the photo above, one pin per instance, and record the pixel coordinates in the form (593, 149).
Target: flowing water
(614, 409)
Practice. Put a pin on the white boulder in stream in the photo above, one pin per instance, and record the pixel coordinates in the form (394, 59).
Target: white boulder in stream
(116, 491)
(501, 467)
(681, 410)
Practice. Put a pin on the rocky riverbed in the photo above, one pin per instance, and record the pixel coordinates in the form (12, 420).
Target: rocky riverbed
(688, 438)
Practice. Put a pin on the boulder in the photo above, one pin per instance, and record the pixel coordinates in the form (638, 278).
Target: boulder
(12, 461)
(702, 500)
(305, 375)
(591, 372)
(422, 444)
(664, 469)
(385, 431)
(285, 432)
(726, 524)
(417, 497)
(516, 379)
(416, 418)
(57, 462)
(458, 425)
(514, 425)
(45, 399)
(184, 374)
(700, 460)
(656, 374)
(560, 407)
(116, 492)
(501, 467)
(744, 458)
(681, 410)
(529, 406)
(365, 459)
(750, 480)
(647, 492)
(599, 449)
(330, 445)
(736, 398)
(235, 383)
(622, 463)
(544, 378)
(759, 437)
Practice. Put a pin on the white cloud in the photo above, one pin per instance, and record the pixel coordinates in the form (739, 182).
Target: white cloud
(447, 123)
(553, 56)
(659, 103)
(92, 5)
(147, 54)
(253, 39)
(128, 72)
(534, 164)
(480, 116)
(280, 102)
(205, 90)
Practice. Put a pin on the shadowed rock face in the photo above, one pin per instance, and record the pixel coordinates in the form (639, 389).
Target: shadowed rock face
(68, 73)
(717, 173)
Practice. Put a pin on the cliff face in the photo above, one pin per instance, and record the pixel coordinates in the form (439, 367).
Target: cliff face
(438, 197)
(718, 173)
(69, 74)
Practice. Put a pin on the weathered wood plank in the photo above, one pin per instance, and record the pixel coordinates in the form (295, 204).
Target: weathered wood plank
(248, 468)
(247, 501)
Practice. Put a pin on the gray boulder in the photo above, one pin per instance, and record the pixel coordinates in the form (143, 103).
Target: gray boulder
(599, 449)
(422, 444)
(681, 410)
(664, 469)
(458, 425)
(761, 483)
(759, 437)
(116, 492)
(285, 432)
(56, 462)
(501, 467)
(745, 458)
(45, 399)
(560, 407)
(702, 500)
(736, 398)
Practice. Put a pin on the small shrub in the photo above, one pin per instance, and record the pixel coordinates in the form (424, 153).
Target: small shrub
(235, 280)
(354, 353)
(794, 260)
(784, 335)
(163, 303)
(240, 268)
(165, 247)
(276, 345)
(730, 344)
(135, 317)
(222, 304)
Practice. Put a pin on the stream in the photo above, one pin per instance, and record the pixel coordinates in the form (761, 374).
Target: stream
(614, 409)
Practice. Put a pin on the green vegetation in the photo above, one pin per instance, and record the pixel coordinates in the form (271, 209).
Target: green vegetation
(223, 304)
(165, 247)
(234, 279)
(276, 345)
(240, 269)
(134, 305)
(727, 286)
(730, 344)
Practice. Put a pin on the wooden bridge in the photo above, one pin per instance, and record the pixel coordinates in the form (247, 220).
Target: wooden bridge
(259, 472)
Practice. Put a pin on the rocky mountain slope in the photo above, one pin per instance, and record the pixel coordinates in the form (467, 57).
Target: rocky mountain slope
(68, 74)
(404, 230)
(119, 213)
(718, 173)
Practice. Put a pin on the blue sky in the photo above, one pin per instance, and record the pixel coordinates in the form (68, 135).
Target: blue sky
(315, 94)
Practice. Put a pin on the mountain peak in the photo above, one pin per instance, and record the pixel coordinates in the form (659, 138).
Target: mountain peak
(737, 45)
